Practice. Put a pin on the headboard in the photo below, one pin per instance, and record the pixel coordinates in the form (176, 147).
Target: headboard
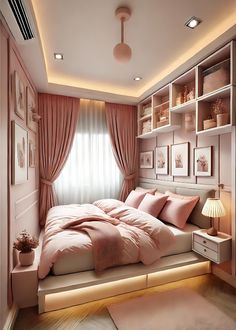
(196, 217)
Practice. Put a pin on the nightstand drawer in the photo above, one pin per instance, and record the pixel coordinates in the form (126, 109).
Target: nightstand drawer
(205, 251)
(204, 241)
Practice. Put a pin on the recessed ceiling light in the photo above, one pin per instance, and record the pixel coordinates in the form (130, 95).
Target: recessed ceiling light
(138, 78)
(58, 56)
(193, 22)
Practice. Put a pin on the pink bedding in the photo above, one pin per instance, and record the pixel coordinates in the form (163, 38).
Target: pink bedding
(144, 238)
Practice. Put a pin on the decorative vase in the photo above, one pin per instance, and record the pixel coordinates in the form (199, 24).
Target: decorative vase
(26, 258)
(222, 119)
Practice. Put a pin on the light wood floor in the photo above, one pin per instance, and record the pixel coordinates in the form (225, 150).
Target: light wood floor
(94, 316)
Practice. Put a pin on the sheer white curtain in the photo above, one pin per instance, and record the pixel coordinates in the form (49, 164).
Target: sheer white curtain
(90, 172)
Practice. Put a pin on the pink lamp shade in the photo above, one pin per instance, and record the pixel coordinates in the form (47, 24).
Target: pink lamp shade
(122, 52)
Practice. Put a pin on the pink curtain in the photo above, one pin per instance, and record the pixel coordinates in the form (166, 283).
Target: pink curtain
(122, 127)
(59, 115)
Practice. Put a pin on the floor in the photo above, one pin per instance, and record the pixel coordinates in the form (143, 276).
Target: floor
(94, 316)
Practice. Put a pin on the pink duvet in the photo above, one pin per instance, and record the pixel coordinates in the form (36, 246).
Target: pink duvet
(144, 237)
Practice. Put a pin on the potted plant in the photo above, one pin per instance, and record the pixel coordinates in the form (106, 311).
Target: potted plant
(25, 243)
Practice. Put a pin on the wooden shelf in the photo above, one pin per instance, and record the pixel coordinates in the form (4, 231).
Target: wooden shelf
(161, 105)
(220, 92)
(215, 130)
(185, 107)
(146, 117)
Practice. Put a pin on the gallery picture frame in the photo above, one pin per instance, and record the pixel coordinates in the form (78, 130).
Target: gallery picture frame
(146, 159)
(19, 95)
(162, 160)
(19, 153)
(202, 161)
(30, 104)
(180, 159)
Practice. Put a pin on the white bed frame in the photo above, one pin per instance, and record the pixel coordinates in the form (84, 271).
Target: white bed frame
(56, 292)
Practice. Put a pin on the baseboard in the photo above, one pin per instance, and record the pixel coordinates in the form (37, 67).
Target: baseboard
(224, 276)
(12, 315)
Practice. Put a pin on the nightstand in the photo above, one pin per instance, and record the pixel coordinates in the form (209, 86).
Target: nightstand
(215, 248)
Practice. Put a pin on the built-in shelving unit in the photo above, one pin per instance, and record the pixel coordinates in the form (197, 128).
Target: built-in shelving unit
(207, 91)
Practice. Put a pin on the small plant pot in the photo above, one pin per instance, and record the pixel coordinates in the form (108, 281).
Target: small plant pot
(222, 119)
(26, 258)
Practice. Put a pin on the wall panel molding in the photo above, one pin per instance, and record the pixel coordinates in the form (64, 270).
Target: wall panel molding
(23, 204)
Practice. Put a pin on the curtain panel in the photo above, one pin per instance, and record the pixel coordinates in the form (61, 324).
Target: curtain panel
(59, 115)
(122, 127)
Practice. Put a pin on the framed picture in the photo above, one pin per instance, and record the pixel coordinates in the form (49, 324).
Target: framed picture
(32, 153)
(31, 109)
(146, 159)
(19, 154)
(19, 96)
(162, 160)
(180, 159)
(203, 161)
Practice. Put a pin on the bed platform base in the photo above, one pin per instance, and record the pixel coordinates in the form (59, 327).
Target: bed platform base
(56, 292)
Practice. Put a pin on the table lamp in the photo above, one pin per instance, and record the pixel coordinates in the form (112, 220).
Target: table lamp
(213, 208)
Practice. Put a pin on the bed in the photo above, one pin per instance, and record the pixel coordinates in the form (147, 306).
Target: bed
(78, 267)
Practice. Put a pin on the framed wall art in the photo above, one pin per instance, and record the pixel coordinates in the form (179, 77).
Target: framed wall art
(32, 153)
(162, 160)
(31, 109)
(146, 159)
(203, 161)
(19, 154)
(19, 96)
(180, 159)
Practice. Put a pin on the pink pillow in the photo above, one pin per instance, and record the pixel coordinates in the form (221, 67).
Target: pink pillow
(152, 204)
(176, 211)
(169, 193)
(147, 191)
(135, 198)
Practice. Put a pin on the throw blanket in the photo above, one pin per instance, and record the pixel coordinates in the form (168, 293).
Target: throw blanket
(144, 238)
(105, 238)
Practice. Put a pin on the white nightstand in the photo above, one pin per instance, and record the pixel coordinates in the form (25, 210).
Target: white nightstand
(216, 248)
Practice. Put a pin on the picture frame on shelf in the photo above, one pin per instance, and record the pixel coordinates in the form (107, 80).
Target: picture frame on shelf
(32, 125)
(202, 161)
(146, 159)
(162, 160)
(32, 153)
(19, 154)
(19, 96)
(180, 159)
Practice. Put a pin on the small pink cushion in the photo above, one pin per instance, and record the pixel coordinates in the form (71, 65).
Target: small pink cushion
(152, 204)
(176, 211)
(135, 198)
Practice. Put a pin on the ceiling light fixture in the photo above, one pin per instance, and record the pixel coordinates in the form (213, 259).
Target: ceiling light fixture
(138, 78)
(122, 52)
(193, 22)
(58, 56)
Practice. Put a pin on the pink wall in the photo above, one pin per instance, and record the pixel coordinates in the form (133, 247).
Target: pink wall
(22, 199)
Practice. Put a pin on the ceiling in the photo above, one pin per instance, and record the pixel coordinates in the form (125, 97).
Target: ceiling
(86, 32)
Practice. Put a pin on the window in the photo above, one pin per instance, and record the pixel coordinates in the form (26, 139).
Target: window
(90, 172)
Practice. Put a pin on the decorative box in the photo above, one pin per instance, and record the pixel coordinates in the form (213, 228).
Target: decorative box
(216, 76)
(209, 123)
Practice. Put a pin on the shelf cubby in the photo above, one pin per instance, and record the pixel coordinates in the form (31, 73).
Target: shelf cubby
(145, 117)
(183, 90)
(214, 73)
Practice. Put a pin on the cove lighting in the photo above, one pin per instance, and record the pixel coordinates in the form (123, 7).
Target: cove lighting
(58, 56)
(138, 78)
(193, 22)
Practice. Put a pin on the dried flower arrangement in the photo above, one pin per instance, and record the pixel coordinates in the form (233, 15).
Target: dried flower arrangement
(25, 242)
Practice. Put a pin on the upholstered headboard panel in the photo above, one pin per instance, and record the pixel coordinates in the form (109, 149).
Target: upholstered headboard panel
(196, 216)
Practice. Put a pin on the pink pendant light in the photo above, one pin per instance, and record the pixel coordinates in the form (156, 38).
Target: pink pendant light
(122, 52)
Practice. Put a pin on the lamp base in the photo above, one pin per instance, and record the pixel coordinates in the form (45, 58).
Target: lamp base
(212, 231)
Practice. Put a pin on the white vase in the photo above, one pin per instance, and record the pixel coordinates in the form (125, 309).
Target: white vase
(26, 258)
